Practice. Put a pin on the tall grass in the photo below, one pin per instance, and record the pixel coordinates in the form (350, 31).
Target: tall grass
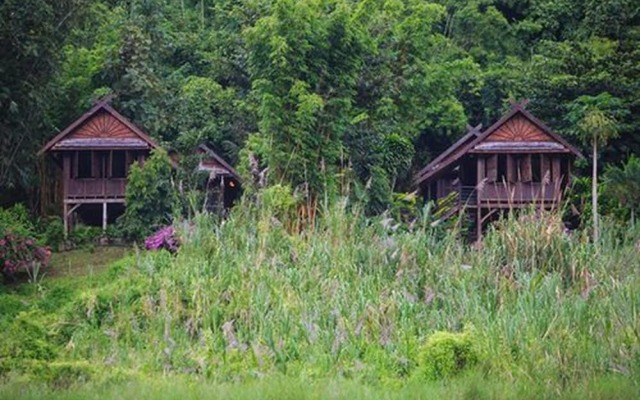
(257, 296)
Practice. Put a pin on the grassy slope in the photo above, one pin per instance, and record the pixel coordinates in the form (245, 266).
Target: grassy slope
(340, 311)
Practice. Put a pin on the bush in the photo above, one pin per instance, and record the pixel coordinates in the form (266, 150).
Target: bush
(16, 220)
(165, 238)
(83, 235)
(54, 232)
(150, 197)
(27, 338)
(19, 253)
(446, 354)
(279, 200)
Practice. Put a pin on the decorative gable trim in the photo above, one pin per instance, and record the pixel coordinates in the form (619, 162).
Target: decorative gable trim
(97, 123)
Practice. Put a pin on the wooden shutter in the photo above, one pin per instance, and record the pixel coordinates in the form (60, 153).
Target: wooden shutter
(525, 168)
(110, 164)
(492, 168)
(555, 168)
(95, 164)
(481, 168)
(512, 172)
(545, 162)
(76, 161)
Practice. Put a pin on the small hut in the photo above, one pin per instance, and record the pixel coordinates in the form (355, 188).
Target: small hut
(223, 185)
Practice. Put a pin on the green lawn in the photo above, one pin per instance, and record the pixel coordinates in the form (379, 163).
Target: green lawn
(282, 388)
(85, 261)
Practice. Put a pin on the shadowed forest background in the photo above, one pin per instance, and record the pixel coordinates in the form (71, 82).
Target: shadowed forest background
(319, 91)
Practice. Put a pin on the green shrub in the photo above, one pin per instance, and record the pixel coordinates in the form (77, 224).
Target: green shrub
(278, 200)
(447, 354)
(62, 374)
(54, 232)
(27, 337)
(150, 197)
(16, 220)
(83, 235)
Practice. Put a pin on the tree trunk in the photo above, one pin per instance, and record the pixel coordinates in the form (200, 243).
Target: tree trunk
(594, 192)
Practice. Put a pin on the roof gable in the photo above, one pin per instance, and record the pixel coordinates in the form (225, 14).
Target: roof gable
(518, 130)
(101, 124)
(214, 163)
(449, 154)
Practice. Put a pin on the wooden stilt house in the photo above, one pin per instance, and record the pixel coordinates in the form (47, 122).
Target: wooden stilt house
(516, 162)
(94, 154)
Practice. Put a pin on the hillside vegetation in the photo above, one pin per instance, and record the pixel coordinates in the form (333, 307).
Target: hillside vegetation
(258, 305)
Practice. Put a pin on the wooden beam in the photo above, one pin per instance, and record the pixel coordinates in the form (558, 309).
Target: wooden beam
(93, 201)
(75, 207)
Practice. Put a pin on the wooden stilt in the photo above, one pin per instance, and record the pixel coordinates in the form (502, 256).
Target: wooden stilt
(480, 176)
(479, 225)
(221, 197)
(65, 218)
(104, 217)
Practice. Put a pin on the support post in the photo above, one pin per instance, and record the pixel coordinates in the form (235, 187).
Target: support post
(104, 217)
(65, 218)
(221, 197)
(479, 224)
(480, 171)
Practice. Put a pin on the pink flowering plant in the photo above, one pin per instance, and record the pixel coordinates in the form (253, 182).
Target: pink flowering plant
(19, 253)
(165, 238)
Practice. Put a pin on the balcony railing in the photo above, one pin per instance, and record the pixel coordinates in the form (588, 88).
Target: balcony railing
(96, 188)
(519, 192)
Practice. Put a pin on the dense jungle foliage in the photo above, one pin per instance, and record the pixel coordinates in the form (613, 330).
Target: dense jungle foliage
(318, 90)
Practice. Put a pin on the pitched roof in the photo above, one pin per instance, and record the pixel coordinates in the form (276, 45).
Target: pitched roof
(225, 166)
(474, 144)
(142, 140)
(449, 155)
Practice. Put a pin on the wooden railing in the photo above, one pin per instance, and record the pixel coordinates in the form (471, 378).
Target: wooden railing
(519, 192)
(96, 188)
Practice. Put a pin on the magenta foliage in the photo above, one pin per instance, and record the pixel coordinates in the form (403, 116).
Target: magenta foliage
(165, 238)
(17, 253)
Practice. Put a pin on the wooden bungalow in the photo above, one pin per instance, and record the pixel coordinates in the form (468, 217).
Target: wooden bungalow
(516, 162)
(94, 154)
(223, 185)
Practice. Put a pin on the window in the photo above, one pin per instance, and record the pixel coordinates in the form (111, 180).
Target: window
(503, 176)
(118, 164)
(536, 168)
(84, 165)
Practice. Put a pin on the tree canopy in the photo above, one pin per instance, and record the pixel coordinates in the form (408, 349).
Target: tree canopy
(316, 90)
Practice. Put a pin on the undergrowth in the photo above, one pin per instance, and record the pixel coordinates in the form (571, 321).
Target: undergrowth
(348, 298)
